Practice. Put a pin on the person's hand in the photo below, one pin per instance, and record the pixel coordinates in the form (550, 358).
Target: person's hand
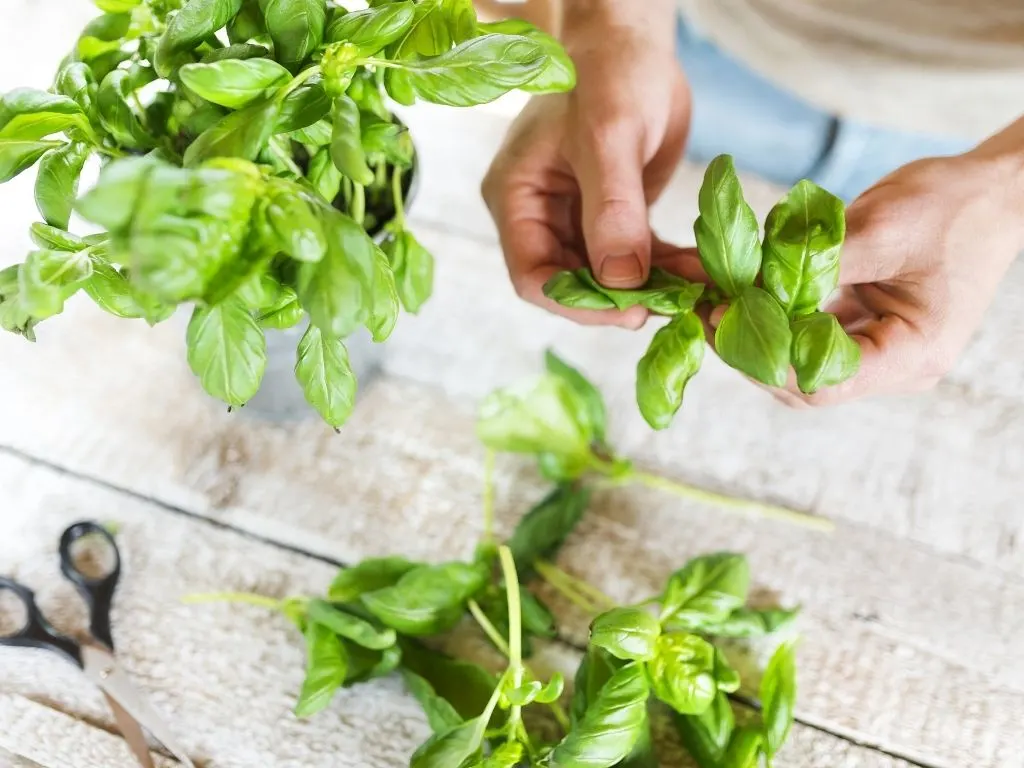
(572, 184)
(925, 251)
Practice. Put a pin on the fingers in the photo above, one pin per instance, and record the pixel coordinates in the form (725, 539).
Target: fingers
(609, 166)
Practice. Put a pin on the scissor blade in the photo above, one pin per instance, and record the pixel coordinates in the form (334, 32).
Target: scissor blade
(132, 732)
(102, 668)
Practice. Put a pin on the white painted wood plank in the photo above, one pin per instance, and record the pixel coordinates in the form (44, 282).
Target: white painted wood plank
(224, 675)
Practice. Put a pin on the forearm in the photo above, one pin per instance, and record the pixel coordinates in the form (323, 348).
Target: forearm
(655, 19)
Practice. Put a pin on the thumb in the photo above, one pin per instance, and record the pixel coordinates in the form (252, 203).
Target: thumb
(609, 168)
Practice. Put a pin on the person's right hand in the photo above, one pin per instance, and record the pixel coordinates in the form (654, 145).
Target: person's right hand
(572, 184)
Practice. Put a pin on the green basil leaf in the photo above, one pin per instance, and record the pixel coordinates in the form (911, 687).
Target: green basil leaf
(364, 664)
(748, 623)
(17, 156)
(337, 291)
(117, 6)
(324, 176)
(544, 529)
(241, 134)
(367, 576)
(27, 115)
(233, 83)
(385, 299)
(558, 74)
(48, 278)
(359, 631)
(346, 142)
(477, 71)
(552, 691)
(663, 293)
(326, 666)
(316, 135)
(537, 618)
(508, 755)
(822, 353)
(428, 34)
(227, 351)
(296, 27)
(613, 724)
(387, 142)
(297, 230)
(706, 736)
(103, 35)
(373, 28)
(673, 358)
(197, 20)
(286, 312)
(111, 202)
(726, 678)
(596, 668)
(247, 24)
(778, 697)
(117, 113)
(462, 23)
(76, 81)
(533, 417)
(754, 337)
(587, 400)
(14, 318)
(803, 235)
(302, 108)
(463, 684)
(453, 747)
(726, 229)
(57, 182)
(626, 633)
(427, 600)
(708, 588)
(440, 714)
(413, 266)
(54, 239)
(682, 672)
(642, 755)
(237, 52)
(325, 374)
(745, 748)
(111, 291)
(570, 290)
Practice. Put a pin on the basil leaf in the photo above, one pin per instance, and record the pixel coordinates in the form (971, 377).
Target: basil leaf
(227, 351)
(544, 529)
(337, 291)
(642, 755)
(386, 142)
(364, 664)
(663, 293)
(197, 20)
(427, 600)
(240, 134)
(57, 182)
(48, 278)
(76, 81)
(534, 417)
(706, 736)
(682, 672)
(233, 83)
(463, 684)
(413, 266)
(385, 299)
(452, 747)
(117, 114)
(286, 312)
(726, 229)
(587, 400)
(373, 28)
(570, 290)
(536, 619)
(296, 228)
(428, 35)
(748, 622)
(326, 666)
(13, 316)
(778, 697)
(359, 631)
(754, 337)
(324, 176)
(325, 374)
(745, 748)
(476, 71)
(367, 576)
(27, 115)
(440, 714)
(673, 358)
(822, 353)
(111, 203)
(247, 24)
(346, 142)
(803, 235)
(103, 35)
(558, 74)
(111, 291)
(54, 239)
(462, 22)
(708, 588)
(117, 6)
(302, 108)
(17, 155)
(316, 135)
(240, 52)
(596, 668)
(508, 755)
(626, 633)
(296, 27)
(613, 724)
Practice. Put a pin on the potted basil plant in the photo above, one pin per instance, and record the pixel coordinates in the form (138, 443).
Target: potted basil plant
(252, 170)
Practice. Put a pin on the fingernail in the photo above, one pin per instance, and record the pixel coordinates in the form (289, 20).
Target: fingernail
(716, 316)
(620, 269)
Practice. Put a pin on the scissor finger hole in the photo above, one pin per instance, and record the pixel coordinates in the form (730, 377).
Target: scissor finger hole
(13, 613)
(93, 556)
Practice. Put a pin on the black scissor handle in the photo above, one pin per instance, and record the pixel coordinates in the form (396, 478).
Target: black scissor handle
(36, 631)
(98, 593)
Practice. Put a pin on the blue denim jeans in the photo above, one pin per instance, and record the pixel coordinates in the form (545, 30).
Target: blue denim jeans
(781, 138)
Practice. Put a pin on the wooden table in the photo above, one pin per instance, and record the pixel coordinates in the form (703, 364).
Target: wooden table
(913, 608)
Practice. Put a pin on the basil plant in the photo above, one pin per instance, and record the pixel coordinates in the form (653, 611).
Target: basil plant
(251, 168)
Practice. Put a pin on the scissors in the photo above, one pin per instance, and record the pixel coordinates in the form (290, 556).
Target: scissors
(95, 657)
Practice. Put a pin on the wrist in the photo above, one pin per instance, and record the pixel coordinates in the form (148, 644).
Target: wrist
(586, 21)
(1000, 161)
